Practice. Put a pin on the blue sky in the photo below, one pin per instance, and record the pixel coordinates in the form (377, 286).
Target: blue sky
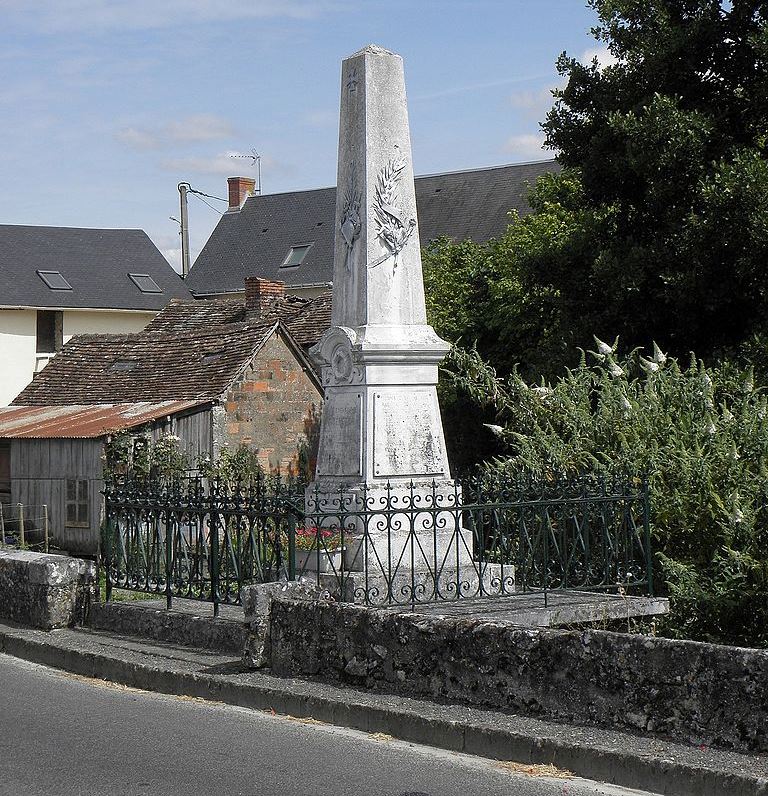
(107, 104)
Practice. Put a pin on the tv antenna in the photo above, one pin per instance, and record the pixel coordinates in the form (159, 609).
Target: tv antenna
(255, 159)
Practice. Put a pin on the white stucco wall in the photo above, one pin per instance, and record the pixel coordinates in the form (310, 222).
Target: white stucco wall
(18, 331)
(92, 322)
(17, 351)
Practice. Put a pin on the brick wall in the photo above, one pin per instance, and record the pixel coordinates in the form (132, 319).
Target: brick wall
(273, 408)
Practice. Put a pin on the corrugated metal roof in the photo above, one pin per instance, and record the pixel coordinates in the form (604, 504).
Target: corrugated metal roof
(83, 422)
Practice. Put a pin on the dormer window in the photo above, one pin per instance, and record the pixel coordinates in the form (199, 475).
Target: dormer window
(54, 280)
(145, 283)
(296, 255)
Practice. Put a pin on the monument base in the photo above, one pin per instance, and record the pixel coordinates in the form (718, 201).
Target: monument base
(389, 527)
(419, 586)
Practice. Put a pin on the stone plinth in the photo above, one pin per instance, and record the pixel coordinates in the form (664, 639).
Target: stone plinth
(44, 591)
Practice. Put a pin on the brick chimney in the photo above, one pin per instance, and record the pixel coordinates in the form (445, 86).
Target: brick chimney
(260, 294)
(240, 188)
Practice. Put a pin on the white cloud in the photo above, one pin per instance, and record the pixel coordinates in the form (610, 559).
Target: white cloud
(137, 139)
(322, 119)
(101, 15)
(526, 146)
(192, 129)
(603, 55)
(222, 165)
(174, 258)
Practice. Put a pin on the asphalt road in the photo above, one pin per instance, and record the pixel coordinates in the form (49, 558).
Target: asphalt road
(62, 735)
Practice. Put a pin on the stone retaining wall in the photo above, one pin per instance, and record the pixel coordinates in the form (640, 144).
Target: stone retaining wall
(700, 693)
(44, 591)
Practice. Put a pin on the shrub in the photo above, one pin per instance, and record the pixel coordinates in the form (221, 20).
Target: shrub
(701, 435)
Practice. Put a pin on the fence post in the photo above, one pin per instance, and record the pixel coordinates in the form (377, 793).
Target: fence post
(168, 559)
(21, 524)
(214, 546)
(107, 537)
(45, 527)
(291, 546)
(647, 534)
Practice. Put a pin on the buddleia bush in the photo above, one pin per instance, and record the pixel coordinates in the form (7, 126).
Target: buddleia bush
(699, 433)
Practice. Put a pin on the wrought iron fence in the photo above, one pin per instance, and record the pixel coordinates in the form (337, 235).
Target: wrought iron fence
(400, 544)
(196, 538)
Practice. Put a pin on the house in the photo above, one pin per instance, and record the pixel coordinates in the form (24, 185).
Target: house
(289, 236)
(215, 374)
(57, 282)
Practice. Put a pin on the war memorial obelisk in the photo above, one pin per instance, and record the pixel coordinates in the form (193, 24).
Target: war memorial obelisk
(381, 429)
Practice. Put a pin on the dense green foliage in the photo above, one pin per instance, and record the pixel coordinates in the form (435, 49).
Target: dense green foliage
(669, 144)
(657, 228)
(702, 437)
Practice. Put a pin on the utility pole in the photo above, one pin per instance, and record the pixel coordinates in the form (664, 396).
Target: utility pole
(183, 188)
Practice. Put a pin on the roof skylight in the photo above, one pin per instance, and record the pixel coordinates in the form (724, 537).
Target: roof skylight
(123, 366)
(54, 280)
(145, 283)
(296, 255)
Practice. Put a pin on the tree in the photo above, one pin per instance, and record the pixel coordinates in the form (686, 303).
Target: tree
(669, 147)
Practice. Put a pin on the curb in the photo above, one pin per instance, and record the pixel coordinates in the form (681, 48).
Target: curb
(468, 734)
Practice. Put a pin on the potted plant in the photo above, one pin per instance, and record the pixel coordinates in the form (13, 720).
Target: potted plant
(318, 549)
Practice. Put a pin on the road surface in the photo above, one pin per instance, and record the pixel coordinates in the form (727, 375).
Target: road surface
(62, 735)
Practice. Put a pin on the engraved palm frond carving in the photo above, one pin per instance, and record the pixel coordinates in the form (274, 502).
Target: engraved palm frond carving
(393, 228)
(350, 217)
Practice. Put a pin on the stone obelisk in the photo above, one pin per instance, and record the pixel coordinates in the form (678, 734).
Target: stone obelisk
(381, 420)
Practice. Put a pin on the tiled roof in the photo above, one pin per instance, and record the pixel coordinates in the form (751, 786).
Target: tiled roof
(93, 369)
(82, 422)
(255, 241)
(305, 319)
(96, 263)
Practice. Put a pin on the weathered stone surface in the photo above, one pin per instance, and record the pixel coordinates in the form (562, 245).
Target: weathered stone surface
(701, 693)
(189, 623)
(44, 591)
(257, 601)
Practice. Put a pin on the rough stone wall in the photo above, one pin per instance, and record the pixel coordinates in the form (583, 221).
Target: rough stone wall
(273, 409)
(44, 591)
(700, 693)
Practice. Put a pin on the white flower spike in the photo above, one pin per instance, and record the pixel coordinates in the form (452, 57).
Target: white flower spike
(494, 429)
(615, 370)
(602, 347)
(649, 366)
(659, 357)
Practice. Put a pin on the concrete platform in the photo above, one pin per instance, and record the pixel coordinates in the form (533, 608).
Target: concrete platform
(556, 609)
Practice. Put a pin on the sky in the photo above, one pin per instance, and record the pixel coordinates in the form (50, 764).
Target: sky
(107, 104)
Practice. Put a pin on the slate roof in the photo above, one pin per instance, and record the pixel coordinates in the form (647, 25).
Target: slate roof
(255, 241)
(82, 422)
(95, 262)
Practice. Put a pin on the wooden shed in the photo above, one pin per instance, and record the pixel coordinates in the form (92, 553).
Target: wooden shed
(54, 458)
